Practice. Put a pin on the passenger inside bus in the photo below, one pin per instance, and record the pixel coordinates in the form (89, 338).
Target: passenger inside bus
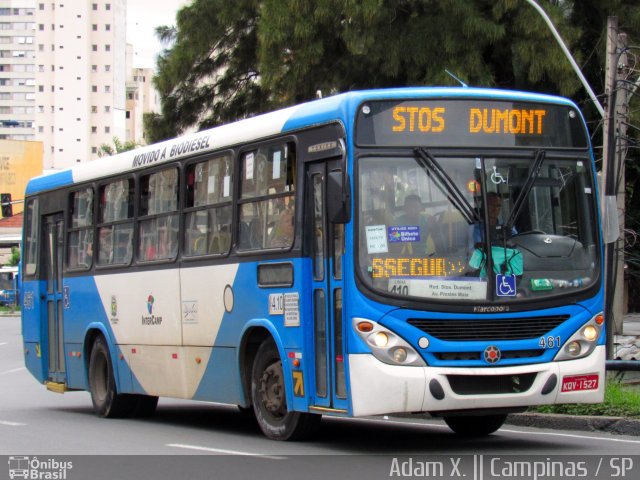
(283, 231)
(494, 207)
(422, 242)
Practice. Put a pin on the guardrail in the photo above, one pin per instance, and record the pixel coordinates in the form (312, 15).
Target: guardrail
(623, 365)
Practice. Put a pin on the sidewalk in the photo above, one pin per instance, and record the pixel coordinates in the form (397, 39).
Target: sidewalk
(615, 425)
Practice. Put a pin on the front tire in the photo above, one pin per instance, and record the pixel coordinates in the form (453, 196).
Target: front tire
(107, 402)
(479, 426)
(269, 399)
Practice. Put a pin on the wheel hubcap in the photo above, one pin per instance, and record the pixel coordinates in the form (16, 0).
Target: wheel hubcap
(272, 390)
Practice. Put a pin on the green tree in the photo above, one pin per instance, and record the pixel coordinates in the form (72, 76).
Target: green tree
(118, 146)
(14, 260)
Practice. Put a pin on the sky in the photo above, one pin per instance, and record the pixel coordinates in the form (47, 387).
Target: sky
(143, 16)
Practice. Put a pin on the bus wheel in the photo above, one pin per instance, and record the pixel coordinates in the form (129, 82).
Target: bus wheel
(107, 402)
(475, 426)
(270, 402)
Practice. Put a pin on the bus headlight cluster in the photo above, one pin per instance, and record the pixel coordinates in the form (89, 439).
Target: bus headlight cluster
(385, 345)
(584, 341)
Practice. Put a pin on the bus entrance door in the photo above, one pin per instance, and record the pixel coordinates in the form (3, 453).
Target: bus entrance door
(330, 391)
(54, 298)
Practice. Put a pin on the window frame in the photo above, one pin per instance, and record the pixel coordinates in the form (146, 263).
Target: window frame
(186, 210)
(100, 223)
(71, 229)
(139, 218)
(260, 199)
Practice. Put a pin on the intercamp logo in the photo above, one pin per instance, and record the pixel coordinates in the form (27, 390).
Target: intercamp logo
(35, 469)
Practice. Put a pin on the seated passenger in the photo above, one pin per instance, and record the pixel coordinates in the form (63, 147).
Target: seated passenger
(494, 205)
(419, 242)
(283, 231)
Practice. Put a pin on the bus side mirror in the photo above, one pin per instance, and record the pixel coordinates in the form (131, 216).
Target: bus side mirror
(338, 197)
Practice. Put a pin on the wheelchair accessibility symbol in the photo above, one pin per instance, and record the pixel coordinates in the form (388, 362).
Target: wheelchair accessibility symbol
(506, 285)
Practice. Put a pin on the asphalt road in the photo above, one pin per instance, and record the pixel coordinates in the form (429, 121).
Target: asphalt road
(35, 422)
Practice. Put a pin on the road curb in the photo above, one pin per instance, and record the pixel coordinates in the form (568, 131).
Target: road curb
(615, 425)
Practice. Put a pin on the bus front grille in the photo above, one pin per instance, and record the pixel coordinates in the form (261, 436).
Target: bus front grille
(503, 329)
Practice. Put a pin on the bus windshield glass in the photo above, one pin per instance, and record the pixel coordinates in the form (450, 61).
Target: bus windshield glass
(476, 228)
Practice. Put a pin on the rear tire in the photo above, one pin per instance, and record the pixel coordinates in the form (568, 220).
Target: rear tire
(479, 426)
(107, 402)
(269, 399)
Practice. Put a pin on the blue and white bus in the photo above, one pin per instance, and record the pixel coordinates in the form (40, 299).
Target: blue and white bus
(403, 250)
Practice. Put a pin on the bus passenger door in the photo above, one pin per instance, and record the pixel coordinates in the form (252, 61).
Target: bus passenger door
(330, 393)
(53, 252)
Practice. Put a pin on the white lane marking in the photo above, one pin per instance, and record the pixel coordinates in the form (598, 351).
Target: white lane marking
(506, 430)
(224, 452)
(3, 343)
(608, 439)
(6, 372)
(11, 424)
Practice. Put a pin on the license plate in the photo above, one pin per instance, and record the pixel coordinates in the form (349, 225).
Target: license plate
(580, 382)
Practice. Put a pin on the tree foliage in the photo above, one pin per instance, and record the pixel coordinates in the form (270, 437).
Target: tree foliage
(229, 60)
(118, 146)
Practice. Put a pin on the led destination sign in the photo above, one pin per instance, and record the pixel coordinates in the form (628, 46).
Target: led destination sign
(469, 123)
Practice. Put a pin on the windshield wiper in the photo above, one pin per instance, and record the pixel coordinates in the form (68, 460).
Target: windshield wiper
(526, 188)
(451, 190)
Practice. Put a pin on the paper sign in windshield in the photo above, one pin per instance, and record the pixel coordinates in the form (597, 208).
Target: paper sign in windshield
(405, 233)
(376, 239)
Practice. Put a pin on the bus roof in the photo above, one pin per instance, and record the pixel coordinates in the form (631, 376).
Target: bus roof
(335, 108)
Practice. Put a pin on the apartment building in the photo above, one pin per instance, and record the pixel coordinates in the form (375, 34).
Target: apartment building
(17, 67)
(142, 98)
(80, 78)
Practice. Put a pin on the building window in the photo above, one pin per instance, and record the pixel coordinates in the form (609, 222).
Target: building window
(94, 68)
(40, 129)
(107, 68)
(108, 6)
(107, 129)
(41, 88)
(107, 109)
(41, 6)
(107, 48)
(128, 115)
(94, 27)
(94, 109)
(108, 27)
(94, 88)
(94, 150)
(94, 129)
(94, 48)
(95, 6)
(107, 89)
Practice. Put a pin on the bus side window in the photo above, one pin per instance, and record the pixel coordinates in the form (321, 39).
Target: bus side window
(158, 223)
(208, 207)
(267, 190)
(80, 233)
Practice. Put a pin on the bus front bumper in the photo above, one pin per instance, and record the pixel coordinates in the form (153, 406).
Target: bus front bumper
(378, 388)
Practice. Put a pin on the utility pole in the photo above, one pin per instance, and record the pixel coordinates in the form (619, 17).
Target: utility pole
(614, 151)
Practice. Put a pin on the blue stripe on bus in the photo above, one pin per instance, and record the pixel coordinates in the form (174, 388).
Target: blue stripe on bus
(49, 182)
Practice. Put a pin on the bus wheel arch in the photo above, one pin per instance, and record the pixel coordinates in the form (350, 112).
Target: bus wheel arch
(249, 346)
(268, 397)
(107, 402)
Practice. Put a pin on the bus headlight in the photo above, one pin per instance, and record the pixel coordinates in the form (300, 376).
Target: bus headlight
(583, 342)
(385, 345)
(381, 339)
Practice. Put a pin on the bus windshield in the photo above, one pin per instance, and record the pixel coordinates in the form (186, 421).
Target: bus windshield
(476, 228)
